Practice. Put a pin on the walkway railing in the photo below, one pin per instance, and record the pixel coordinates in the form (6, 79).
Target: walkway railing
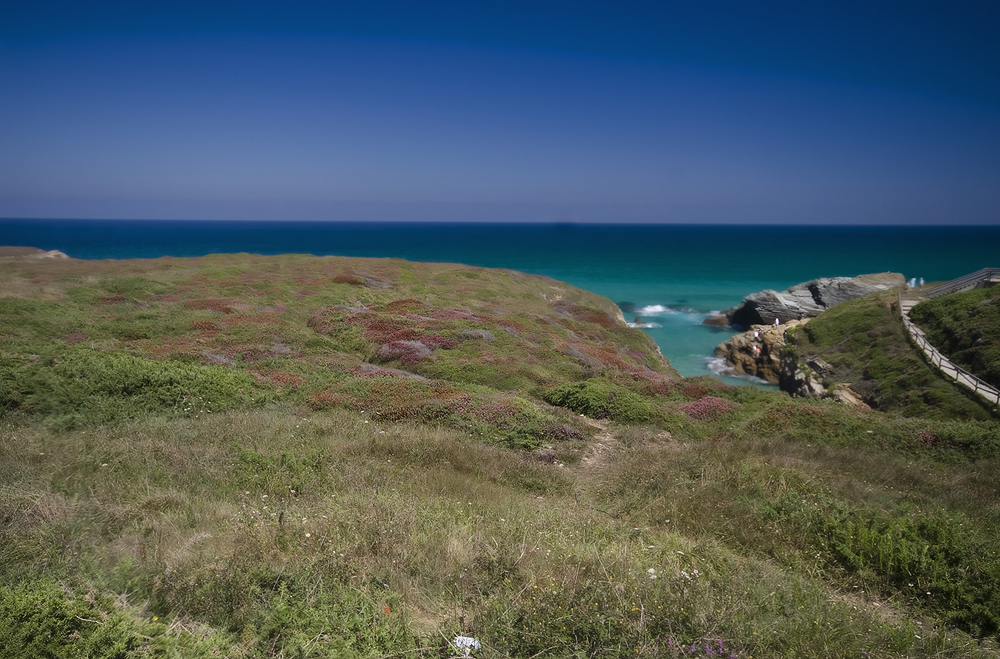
(967, 282)
(942, 363)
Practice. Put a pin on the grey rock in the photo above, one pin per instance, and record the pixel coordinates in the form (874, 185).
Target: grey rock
(843, 393)
(279, 348)
(480, 334)
(372, 369)
(808, 299)
(408, 349)
(218, 359)
(820, 366)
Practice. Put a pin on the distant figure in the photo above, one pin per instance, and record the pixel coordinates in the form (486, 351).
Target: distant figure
(921, 282)
(913, 283)
(756, 334)
(777, 321)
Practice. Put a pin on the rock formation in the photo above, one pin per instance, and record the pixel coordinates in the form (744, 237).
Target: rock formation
(809, 380)
(808, 299)
(757, 352)
(760, 352)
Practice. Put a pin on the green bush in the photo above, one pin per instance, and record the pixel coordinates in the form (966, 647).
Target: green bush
(496, 417)
(926, 557)
(41, 620)
(601, 400)
(930, 559)
(81, 387)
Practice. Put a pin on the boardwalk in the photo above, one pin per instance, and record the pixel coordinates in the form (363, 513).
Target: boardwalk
(910, 298)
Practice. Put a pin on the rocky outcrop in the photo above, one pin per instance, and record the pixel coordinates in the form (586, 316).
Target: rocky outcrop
(808, 380)
(757, 352)
(805, 380)
(844, 394)
(760, 352)
(808, 299)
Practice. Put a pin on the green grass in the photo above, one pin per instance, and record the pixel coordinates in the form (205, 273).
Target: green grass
(125, 338)
(280, 531)
(210, 457)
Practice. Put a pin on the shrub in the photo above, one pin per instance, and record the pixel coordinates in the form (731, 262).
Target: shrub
(600, 400)
(82, 387)
(351, 279)
(926, 558)
(41, 620)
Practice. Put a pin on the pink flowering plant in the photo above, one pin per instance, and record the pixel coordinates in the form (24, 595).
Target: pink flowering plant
(706, 408)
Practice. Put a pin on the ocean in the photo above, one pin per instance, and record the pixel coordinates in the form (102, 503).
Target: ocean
(672, 276)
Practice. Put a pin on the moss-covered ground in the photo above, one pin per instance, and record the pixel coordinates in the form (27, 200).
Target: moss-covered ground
(179, 481)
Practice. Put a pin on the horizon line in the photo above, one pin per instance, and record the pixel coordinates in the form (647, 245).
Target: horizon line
(510, 222)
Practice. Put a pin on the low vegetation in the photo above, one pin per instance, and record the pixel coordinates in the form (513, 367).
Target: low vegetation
(170, 487)
(97, 342)
(867, 346)
(966, 328)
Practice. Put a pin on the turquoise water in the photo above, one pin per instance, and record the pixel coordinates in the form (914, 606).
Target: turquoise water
(673, 276)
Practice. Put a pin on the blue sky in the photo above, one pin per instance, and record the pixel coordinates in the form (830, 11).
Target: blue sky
(695, 112)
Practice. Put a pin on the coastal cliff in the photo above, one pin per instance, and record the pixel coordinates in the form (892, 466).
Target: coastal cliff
(761, 352)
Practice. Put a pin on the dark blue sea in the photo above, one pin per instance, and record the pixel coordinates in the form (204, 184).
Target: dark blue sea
(671, 275)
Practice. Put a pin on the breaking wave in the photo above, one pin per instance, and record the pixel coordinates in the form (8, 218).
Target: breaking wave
(719, 367)
(654, 310)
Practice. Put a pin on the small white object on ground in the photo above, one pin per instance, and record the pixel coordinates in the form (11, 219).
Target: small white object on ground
(466, 643)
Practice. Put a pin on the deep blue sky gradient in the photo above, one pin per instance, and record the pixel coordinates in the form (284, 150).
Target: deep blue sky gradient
(694, 112)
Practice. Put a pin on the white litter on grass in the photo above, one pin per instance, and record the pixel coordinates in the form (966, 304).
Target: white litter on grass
(466, 643)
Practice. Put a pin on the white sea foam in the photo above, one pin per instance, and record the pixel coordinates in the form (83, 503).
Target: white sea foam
(654, 309)
(644, 325)
(719, 366)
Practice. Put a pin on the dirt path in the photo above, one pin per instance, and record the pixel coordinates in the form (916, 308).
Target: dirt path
(602, 445)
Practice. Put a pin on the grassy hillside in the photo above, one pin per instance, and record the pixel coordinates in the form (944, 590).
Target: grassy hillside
(323, 502)
(95, 342)
(866, 344)
(966, 328)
